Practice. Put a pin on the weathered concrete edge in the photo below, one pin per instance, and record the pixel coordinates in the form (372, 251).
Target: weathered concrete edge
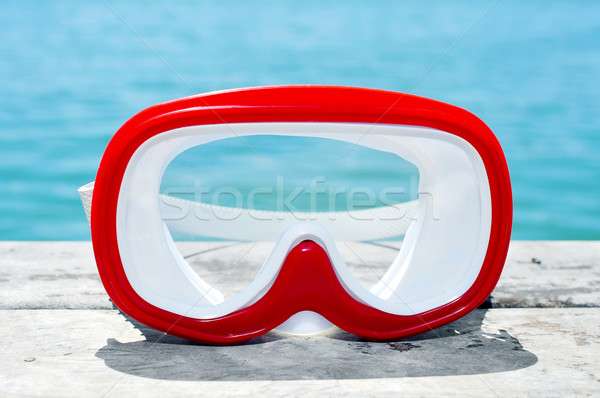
(63, 275)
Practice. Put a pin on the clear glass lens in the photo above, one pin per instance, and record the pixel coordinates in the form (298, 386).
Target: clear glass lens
(226, 202)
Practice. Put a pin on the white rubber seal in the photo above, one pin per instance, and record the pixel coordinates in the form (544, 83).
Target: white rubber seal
(440, 258)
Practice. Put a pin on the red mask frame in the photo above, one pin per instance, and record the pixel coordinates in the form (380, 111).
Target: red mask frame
(306, 280)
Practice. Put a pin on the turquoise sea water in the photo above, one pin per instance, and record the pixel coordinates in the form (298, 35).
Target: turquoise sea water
(71, 73)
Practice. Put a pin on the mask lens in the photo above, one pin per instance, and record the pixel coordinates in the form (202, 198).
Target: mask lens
(226, 202)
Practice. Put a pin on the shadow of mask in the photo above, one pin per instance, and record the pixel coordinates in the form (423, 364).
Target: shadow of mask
(459, 348)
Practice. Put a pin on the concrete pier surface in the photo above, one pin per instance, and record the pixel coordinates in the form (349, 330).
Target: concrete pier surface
(61, 336)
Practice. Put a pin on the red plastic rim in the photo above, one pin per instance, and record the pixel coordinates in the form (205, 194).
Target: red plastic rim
(328, 298)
